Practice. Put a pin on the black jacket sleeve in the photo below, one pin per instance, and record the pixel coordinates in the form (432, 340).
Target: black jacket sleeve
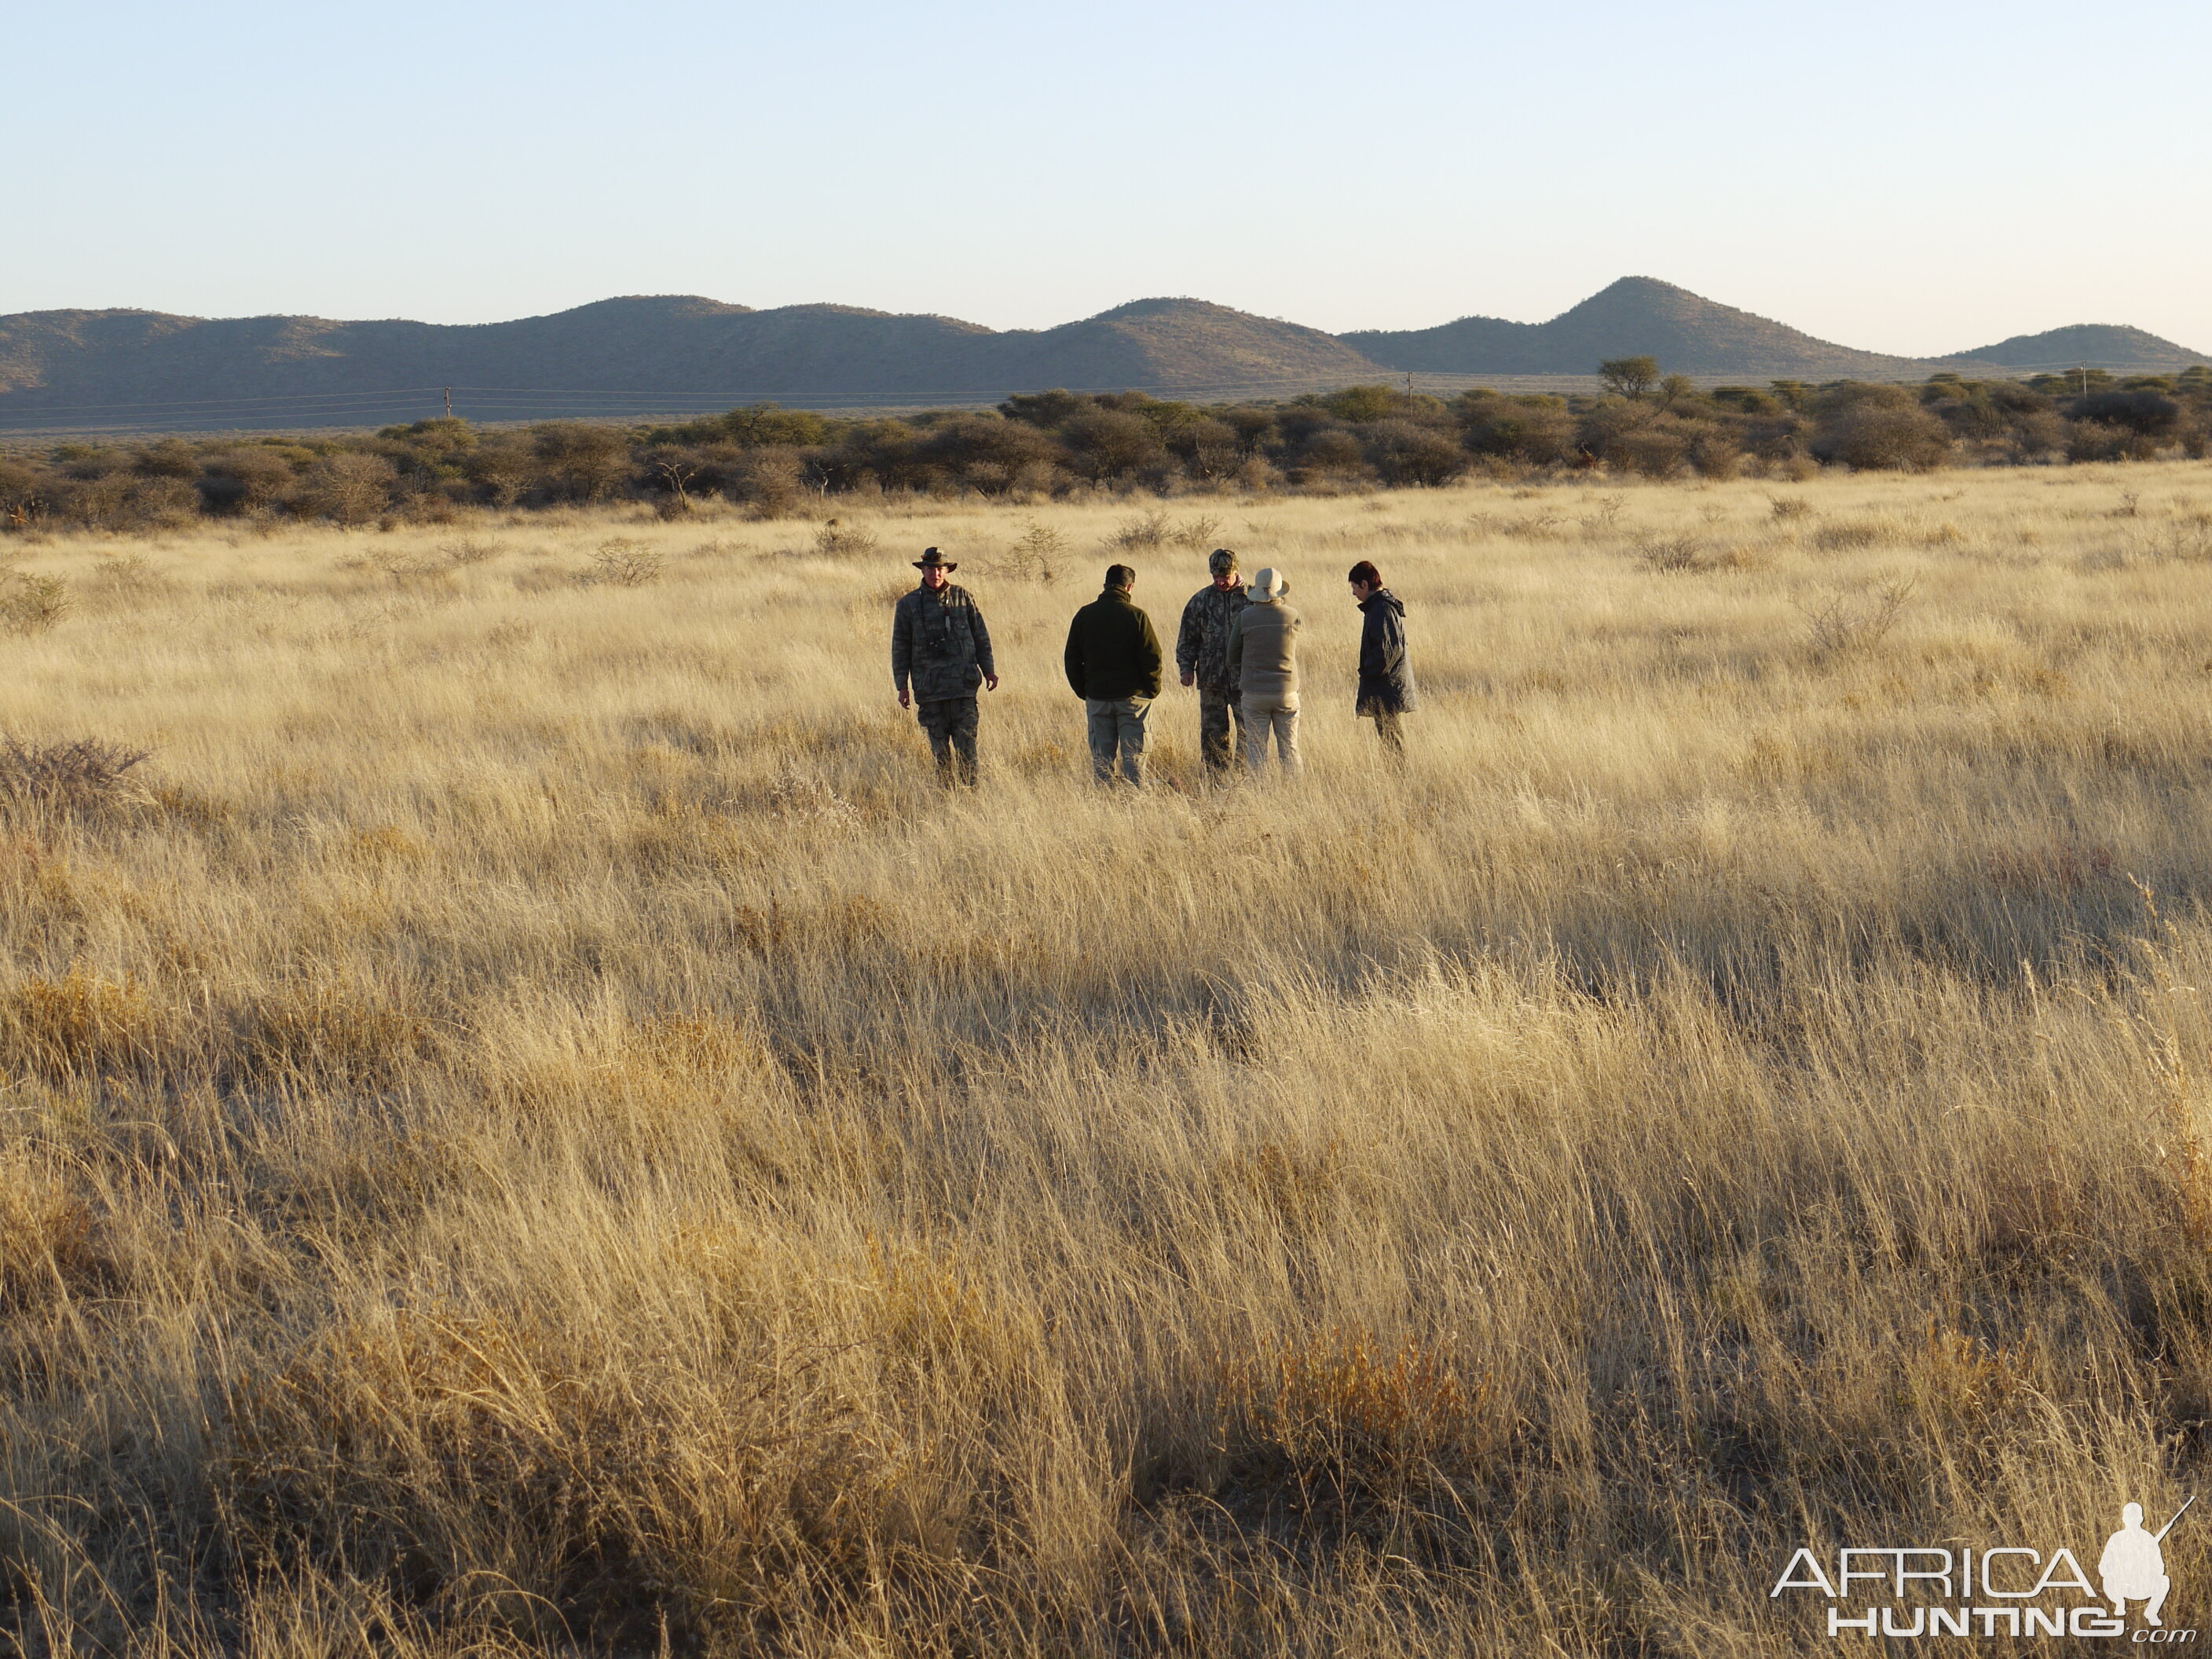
(1373, 665)
(1148, 655)
(1382, 645)
(1072, 659)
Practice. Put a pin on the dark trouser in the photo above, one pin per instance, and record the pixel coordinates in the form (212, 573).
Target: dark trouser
(1117, 730)
(952, 727)
(1388, 726)
(1216, 715)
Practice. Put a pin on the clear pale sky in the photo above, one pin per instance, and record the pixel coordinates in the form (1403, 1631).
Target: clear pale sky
(1914, 178)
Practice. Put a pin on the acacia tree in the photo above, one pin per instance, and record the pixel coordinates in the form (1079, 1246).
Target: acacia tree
(350, 487)
(676, 474)
(1629, 377)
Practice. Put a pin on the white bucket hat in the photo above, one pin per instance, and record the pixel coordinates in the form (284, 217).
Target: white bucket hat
(1267, 584)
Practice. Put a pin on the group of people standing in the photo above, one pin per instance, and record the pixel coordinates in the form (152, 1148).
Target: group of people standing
(1238, 647)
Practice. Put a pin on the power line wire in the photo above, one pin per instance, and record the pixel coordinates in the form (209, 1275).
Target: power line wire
(575, 402)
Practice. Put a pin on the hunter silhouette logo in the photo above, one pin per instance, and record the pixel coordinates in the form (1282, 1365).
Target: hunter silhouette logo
(2007, 1591)
(2133, 1567)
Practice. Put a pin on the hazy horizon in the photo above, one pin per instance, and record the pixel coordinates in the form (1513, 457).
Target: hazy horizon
(1900, 180)
(1136, 298)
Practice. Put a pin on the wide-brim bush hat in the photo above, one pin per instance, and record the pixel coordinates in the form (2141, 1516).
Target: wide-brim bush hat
(931, 559)
(1267, 584)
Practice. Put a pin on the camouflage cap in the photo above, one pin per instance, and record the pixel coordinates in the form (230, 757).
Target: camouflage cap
(1221, 562)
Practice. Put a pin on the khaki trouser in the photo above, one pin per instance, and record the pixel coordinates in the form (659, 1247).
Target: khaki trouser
(1278, 715)
(952, 727)
(1117, 727)
(1218, 716)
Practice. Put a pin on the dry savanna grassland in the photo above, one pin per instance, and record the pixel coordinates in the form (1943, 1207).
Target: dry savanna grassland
(532, 1124)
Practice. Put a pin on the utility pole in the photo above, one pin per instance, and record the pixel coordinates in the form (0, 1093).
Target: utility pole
(449, 403)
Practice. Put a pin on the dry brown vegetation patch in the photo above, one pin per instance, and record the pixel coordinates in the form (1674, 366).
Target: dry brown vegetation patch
(540, 1125)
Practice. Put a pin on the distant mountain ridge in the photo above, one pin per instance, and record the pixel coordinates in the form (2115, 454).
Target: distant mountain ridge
(2083, 345)
(1637, 316)
(1641, 316)
(639, 350)
(651, 355)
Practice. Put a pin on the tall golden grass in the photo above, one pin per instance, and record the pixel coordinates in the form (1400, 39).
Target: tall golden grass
(532, 1124)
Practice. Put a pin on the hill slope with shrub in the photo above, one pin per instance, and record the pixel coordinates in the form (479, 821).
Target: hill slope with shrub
(54, 365)
(1177, 343)
(1692, 335)
(1637, 315)
(645, 356)
(2097, 345)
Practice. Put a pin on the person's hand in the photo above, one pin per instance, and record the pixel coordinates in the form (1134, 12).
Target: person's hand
(1188, 676)
(906, 700)
(990, 682)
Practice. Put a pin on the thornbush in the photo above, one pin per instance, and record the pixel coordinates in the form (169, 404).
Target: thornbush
(773, 462)
(1879, 428)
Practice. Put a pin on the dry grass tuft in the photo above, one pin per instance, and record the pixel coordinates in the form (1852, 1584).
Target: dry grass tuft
(53, 1246)
(80, 1026)
(838, 539)
(324, 1033)
(1846, 625)
(1851, 535)
(33, 604)
(1334, 1423)
(79, 773)
(625, 563)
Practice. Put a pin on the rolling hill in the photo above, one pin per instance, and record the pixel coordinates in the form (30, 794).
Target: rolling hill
(660, 355)
(2083, 345)
(1640, 316)
(1635, 316)
(643, 355)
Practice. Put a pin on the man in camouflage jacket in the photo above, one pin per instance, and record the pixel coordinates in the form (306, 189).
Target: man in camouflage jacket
(1202, 655)
(940, 655)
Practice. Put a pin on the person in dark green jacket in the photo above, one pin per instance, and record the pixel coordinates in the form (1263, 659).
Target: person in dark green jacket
(1113, 660)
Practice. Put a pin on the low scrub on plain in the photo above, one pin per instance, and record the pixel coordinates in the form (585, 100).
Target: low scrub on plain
(1061, 446)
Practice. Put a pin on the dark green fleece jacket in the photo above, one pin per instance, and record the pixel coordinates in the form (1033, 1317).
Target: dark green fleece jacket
(1112, 651)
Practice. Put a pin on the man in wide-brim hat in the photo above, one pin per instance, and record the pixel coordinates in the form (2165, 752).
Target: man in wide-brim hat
(940, 656)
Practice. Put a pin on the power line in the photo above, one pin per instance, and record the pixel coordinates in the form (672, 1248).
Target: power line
(279, 403)
(524, 402)
(580, 402)
(722, 397)
(271, 399)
